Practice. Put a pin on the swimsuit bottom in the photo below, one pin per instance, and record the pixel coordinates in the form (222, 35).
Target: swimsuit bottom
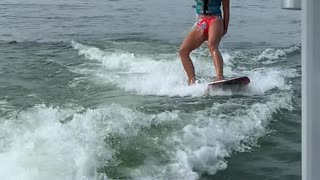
(204, 22)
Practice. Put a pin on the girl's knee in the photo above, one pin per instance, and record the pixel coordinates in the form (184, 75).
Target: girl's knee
(184, 51)
(213, 46)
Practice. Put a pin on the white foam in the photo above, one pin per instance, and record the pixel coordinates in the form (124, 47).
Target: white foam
(35, 145)
(147, 76)
(272, 55)
(204, 144)
(38, 146)
(265, 79)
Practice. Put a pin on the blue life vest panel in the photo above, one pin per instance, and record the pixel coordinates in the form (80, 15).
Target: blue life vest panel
(208, 6)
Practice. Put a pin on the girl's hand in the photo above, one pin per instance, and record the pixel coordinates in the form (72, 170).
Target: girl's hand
(225, 27)
(225, 30)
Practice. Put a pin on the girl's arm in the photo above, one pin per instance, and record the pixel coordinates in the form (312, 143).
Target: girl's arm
(226, 14)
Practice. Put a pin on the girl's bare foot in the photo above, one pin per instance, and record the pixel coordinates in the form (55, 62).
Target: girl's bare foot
(191, 81)
(219, 78)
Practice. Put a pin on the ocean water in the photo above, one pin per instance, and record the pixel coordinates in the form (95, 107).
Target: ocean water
(95, 90)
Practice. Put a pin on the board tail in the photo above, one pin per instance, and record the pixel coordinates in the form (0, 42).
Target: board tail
(244, 80)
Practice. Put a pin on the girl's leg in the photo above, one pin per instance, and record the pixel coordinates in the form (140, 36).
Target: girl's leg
(193, 40)
(214, 36)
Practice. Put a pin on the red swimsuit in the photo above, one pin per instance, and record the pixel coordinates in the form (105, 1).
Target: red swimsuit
(204, 22)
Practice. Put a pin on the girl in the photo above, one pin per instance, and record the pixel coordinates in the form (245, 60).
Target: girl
(211, 26)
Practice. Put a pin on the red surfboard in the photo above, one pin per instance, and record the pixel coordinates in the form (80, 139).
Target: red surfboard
(232, 81)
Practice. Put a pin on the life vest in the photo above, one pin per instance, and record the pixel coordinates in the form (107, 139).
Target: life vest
(208, 7)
